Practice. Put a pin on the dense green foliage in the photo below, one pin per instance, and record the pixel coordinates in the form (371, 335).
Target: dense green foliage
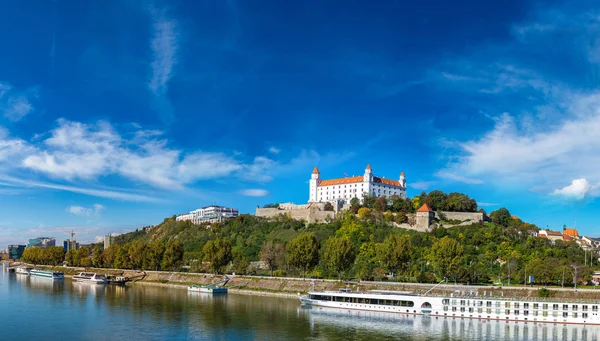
(362, 246)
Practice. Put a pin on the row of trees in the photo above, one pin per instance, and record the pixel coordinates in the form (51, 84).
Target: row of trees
(437, 201)
(347, 247)
(53, 255)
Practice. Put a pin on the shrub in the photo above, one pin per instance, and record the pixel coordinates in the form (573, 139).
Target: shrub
(545, 293)
(279, 273)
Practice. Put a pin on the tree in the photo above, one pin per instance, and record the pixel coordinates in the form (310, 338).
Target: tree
(436, 200)
(364, 212)
(381, 204)
(218, 253)
(328, 207)
(446, 255)
(137, 253)
(55, 255)
(339, 254)
(369, 200)
(121, 258)
(354, 205)
(272, 254)
(501, 217)
(154, 255)
(395, 252)
(173, 255)
(416, 203)
(33, 255)
(302, 252)
(109, 255)
(458, 202)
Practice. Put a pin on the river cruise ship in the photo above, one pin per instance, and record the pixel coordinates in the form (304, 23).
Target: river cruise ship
(475, 307)
(90, 277)
(49, 274)
(24, 270)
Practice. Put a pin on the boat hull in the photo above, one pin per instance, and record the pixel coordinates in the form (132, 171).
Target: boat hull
(482, 308)
(217, 290)
(50, 275)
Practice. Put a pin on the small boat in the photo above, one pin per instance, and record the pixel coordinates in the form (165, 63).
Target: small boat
(49, 274)
(211, 289)
(90, 277)
(24, 270)
(10, 269)
(117, 279)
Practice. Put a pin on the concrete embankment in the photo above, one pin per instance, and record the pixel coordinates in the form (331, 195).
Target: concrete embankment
(290, 287)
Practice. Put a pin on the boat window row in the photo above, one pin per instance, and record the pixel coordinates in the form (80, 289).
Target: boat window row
(515, 312)
(361, 300)
(518, 305)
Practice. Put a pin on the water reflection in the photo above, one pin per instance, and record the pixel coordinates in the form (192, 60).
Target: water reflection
(423, 327)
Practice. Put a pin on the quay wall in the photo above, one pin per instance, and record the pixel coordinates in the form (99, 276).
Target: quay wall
(291, 286)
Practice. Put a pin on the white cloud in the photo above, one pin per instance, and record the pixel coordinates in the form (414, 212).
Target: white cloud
(15, 104)
(579, 189)
(164, 46)
(485, 204)
(85, 211)
(274, 150)
(459, 178)
(421, 185)
(255, 192)
(86, 151)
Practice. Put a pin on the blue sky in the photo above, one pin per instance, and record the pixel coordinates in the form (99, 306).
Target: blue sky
(116, 114)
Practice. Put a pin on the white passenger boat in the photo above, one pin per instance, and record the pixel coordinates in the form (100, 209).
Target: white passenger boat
(90, 277)
(23, 270)
(208, 289)
(49, 274)
(476, 307)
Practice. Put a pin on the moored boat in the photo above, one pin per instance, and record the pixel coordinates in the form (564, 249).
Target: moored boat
(49, 274)
(23, 270)
(476, 307)
(90, 277)
(211, 289)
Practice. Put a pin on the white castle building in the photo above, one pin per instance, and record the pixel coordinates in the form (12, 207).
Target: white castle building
(344, 189)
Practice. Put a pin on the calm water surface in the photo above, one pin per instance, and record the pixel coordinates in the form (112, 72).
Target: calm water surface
(36, 309)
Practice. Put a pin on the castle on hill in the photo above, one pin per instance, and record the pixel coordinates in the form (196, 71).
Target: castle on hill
(345, 189)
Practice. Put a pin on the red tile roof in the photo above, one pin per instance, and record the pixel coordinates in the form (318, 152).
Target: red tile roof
(341, 181)
(386, 181)
(570, 232)
(356, 179)
(425, 208)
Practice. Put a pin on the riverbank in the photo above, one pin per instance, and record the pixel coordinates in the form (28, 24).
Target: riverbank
(291, 287)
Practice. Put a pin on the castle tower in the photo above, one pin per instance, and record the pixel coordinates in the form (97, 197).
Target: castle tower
(315, 179)
(425, 217)
(368, 174)
(402, 180)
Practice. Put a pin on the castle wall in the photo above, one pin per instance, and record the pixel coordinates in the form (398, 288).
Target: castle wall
(309, 214)
(473, 217)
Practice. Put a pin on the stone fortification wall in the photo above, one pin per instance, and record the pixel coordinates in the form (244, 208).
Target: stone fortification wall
(473, 217)
(310, 213)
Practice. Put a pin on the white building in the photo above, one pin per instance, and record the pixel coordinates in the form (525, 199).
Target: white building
(209, 214)
(344, 189)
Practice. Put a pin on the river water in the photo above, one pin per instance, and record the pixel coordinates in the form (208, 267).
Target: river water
(39, 309)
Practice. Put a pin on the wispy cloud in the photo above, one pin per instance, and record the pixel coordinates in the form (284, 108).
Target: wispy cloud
(274, 150)
(545, 125)
(85, 211)
(15, 104)
(255, 192)
(486, 204)
(421, 185)
(164, 45)
(459, 178)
